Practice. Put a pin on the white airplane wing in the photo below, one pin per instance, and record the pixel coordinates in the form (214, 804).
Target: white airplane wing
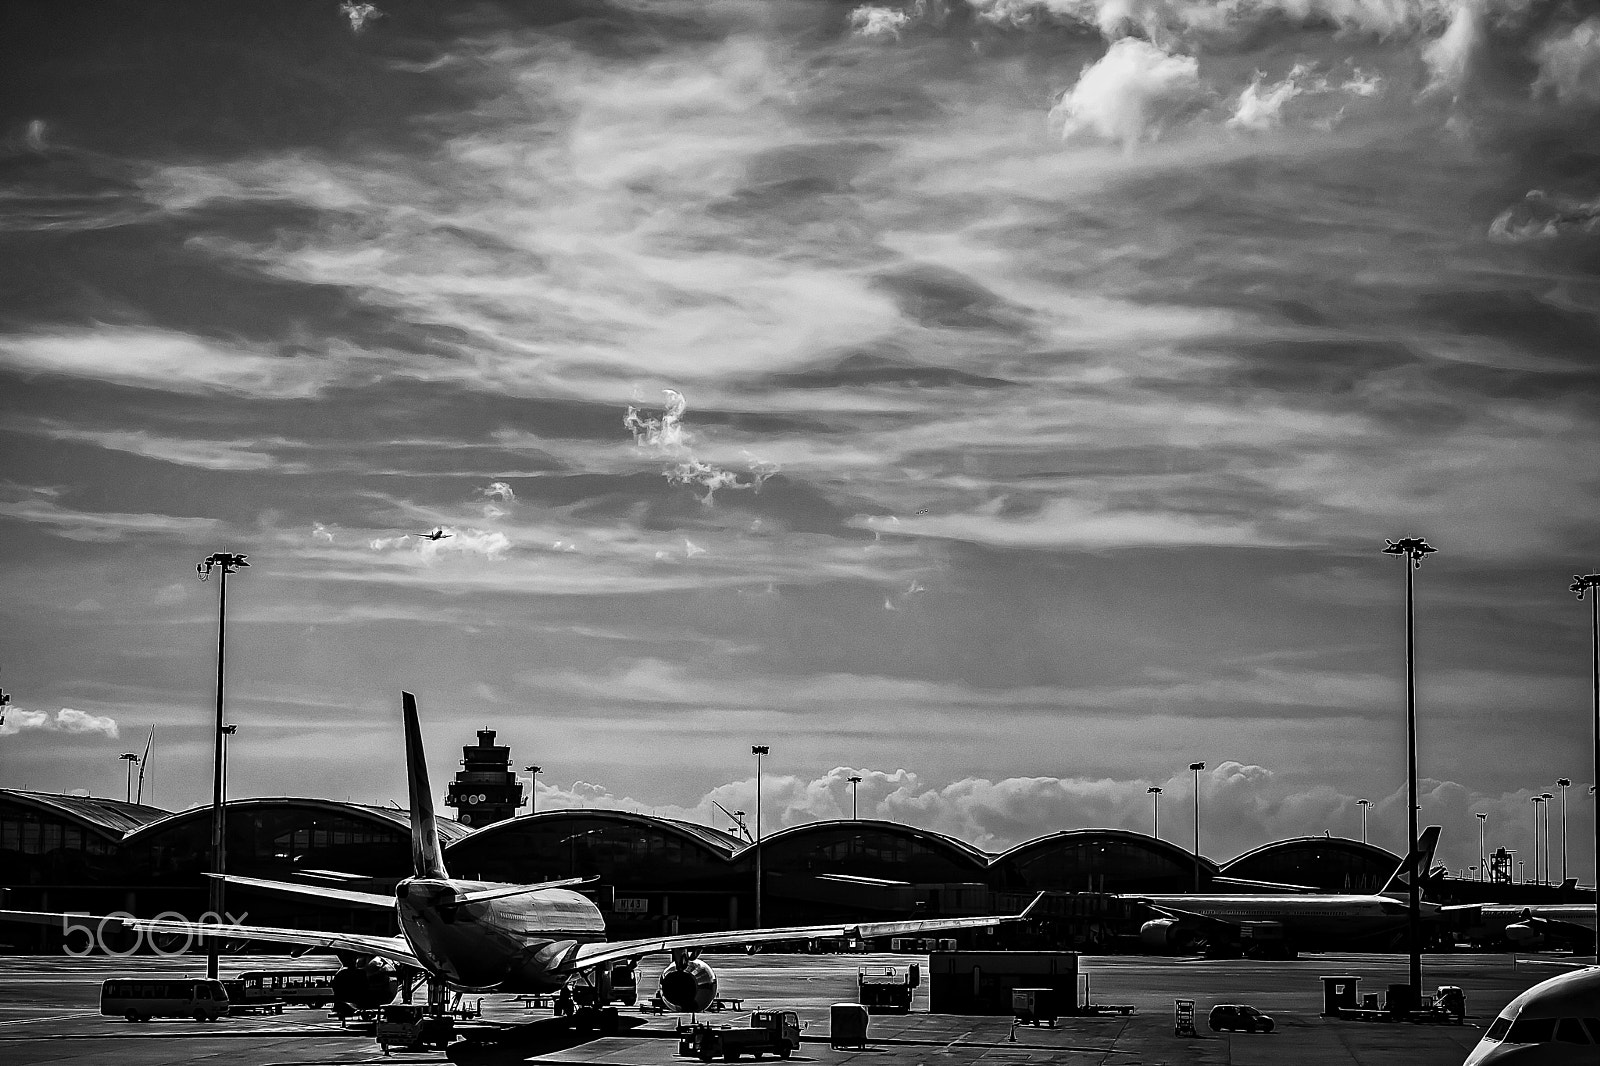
(392, 948)
(613, 951)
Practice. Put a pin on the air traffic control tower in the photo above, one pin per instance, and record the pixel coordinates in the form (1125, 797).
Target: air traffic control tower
(485, 790)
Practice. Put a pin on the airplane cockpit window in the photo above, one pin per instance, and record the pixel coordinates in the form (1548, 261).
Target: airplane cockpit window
(1531, 1031)
(1497, 1031)
(1594, 1029)
(1570, 1031)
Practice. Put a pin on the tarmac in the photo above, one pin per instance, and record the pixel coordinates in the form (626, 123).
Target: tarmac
(49, 1015)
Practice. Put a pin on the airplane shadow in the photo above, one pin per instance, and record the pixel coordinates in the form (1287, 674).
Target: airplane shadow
(516, 1043)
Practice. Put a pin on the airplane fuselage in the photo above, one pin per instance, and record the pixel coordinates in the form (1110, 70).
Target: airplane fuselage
(1306, 919)
(517, 943)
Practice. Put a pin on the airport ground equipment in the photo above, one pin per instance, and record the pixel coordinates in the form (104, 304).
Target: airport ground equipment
(1237, 1016)
(1033, 1006)
(770, 1031)
(410, 1025)
(847, 1025)
(1183, 1018)
(1340, 992)
(888, 990)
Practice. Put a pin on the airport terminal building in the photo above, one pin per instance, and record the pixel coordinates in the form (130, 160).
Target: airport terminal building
(655, 875)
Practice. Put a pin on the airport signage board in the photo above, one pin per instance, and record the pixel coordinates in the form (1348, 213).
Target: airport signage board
(630, 905)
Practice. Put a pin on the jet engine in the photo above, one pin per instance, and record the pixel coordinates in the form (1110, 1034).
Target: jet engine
(688, 983)
(1526, 932)
(366, 985)
(1163, 934)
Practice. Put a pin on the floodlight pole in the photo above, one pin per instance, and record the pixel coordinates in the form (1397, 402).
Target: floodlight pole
(226, 563)
(758, 750)
(854, 781)
(1195, 768)
(1580, 584)
(1544, 813)
(1155, 794)
(1364, 804)
(533, 788)
(129, 757)
(1413, 548)
(1563, 783)
(1482, 821)
(1538, 841)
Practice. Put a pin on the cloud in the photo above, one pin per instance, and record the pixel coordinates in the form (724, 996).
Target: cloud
(499, 490)
(102, 527)
(491, 544)
(226, 455)
(66, 720)
(1569, 64)
(164, 361)
(667, 436)
(359, 13)
(1130, 94)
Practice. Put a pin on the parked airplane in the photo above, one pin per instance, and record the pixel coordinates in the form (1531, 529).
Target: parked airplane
(1531, 925)
(1301, 920)
(480, 936)
(1554, 1023)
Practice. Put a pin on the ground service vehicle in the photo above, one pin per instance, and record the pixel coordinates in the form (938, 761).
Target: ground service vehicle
(139, 999)
(1554, 1023)
(775, 1031)
(889, 990)
(311, 988)
(410, 1025)
(1238, 1016)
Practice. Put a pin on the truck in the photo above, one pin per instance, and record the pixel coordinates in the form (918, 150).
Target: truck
(889, 989)
(774, 1031)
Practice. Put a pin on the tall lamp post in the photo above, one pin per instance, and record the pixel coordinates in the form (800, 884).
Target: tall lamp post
(854, 781)
(1582, 583)
(1155, 793)
(225, 563)
(533, 787)
(758, 750)
(1414, 549)
(1195, 768)
(1563, 783)
(1364, 804)
(129, 757)
(1483, 820)
(1544, 815)
(1538, 838)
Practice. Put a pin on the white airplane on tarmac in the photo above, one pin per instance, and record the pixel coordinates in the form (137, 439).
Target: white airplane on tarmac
(479, 936)
(1305, 919)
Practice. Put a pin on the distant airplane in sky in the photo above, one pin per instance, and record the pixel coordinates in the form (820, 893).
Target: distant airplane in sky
(437, 534)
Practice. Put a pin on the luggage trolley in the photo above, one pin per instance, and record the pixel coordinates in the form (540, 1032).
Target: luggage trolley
(1183, 1018)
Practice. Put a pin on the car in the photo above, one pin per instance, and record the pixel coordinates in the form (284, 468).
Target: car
(1238, 1016)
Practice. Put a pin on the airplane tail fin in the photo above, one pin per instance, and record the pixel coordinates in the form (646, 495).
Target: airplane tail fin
(1417, 864)
(427, 857)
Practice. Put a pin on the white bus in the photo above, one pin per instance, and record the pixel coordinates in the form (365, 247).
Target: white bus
(139, 999)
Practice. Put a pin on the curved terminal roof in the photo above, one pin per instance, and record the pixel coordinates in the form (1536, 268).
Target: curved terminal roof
(1333, 863)
(718, 843)
(389, 817)
(1069, 838)
(958, 851)
(108, 817)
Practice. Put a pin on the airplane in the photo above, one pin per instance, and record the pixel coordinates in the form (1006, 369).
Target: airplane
(1553, 1023)
(480, 936)
(1305, 919)
(438, 533)
(1531, 925)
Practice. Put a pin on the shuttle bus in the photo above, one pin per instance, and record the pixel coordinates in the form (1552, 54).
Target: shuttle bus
(139, 999)
(312, 988)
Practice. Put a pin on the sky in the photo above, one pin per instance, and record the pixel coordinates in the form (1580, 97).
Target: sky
(1003, 401)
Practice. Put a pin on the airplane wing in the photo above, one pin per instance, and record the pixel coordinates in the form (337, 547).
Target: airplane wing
(1194, 918)
(392, 948)
(386, 903)
(613, 951)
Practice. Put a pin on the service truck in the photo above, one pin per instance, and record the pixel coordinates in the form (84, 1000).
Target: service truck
(770, 1031)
